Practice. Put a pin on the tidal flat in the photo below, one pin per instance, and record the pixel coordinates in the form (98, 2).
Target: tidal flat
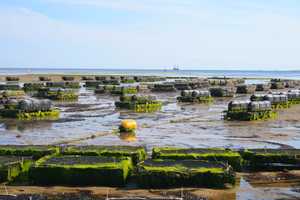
(94, 120)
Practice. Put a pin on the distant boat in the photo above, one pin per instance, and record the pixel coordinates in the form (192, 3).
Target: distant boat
(176, 68)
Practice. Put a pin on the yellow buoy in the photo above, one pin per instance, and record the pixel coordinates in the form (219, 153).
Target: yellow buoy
(128, 125)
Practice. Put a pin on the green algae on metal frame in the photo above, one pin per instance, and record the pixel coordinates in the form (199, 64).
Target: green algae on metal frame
(21, 115)
(271, 159)
(34, 151)
(137, 154)
(12, 166)
(250, 116)
(225, 156)
(81, 170)
(184, 173)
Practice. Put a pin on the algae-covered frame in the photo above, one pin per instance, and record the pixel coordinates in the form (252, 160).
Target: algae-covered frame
(20, 115)
(12, 166)
(250, 116)
(34, 151)
(271, 159)
(81, 170)
(136, 153)
(204, 100)
(185, 173)
(226, 156)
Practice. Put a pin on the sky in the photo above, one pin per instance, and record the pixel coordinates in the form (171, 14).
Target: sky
(194, 34)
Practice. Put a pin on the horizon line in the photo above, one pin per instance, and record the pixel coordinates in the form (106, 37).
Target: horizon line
(136, 68)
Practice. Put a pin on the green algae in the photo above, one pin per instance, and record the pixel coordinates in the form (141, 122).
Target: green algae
(13, 93)
(137, 154)
(205, 100)
(58, 95)
(81, 170)
(185, 173)
(226, 156)
(29, 87)
(12, 166)
(20, 115)
(250, 116)
(271, 159)
(34, 151)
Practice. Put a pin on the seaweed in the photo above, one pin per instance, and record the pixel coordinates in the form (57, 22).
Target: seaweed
(12, 166)
(92, 84)
(20, 115)
(281, 105)
(250, 116)
(226, 156)
(137, 154)
(34, 151)
(28, 87)
(271, 159)
(58, 94)
(222, 92)
(205, 100)
(124, 90)
(81, 170)
(10, 86)
(140, 107)
(164, 88)
(185, 173)
(139, 103)
(245, 89)
(13, 93)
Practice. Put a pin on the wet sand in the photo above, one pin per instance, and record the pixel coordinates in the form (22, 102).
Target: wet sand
(263, 185)
(94, 119)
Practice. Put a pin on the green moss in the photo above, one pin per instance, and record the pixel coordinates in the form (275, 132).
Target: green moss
(294, 101)
(81, 170)
(250, 116)
(211, 154)
(128, 81)
(245, 89)
(205, 100)
(13, 93)
(124, 90)
(137, 154)
(28, 87)
(34, 151)
(58, 95)
(152, 106)
(185, 173)
(281, 105)
(40, 115)
(221, 92)
(10, 87)
(164, 88)
(93, 84)
(271, 159)
(12, 166)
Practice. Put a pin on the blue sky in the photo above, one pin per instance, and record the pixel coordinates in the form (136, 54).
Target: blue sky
(195, 34)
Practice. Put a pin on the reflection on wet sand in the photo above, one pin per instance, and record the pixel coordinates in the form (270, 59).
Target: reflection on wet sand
(128, 137)
(254, 186)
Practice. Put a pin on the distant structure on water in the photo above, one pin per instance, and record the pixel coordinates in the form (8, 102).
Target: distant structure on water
(176, 68)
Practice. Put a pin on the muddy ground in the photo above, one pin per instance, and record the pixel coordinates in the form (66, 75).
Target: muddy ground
(263, 185)
(94, 120)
